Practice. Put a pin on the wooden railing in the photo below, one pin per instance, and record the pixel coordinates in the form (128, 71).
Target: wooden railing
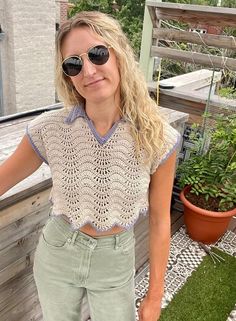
(190, 93)
(214, 16)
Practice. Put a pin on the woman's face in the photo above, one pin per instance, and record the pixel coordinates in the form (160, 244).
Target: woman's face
(96, 83)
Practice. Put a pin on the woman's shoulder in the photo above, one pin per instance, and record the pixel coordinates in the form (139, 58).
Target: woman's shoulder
(51, 116)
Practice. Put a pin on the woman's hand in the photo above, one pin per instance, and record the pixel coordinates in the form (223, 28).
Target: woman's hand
(149, 310)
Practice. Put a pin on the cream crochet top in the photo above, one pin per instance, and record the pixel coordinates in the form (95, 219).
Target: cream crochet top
(96, 179)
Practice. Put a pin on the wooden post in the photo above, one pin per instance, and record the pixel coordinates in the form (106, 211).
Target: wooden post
(146, 62)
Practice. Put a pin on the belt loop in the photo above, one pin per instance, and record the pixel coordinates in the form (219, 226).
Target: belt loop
(117, 239)
(50, 211)
(74, 237)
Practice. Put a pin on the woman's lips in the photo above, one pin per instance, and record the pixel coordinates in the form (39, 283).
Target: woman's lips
(94, 82)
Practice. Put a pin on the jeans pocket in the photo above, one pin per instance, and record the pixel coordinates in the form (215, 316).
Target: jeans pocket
(52, 236)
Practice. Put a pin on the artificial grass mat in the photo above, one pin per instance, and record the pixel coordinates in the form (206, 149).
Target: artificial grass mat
(209, 294)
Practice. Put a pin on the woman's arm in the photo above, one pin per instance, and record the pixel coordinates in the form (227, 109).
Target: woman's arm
(22, 163)
(160, 194)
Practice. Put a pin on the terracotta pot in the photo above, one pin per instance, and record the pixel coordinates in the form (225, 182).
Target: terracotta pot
(203, 225)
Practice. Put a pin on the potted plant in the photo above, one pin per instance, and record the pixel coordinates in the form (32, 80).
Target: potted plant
(208, 179)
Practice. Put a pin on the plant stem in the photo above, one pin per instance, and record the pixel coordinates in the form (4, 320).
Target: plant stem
(206, 112)
(234, 154)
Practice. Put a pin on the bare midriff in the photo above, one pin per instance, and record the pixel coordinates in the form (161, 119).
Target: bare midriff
(90, 230)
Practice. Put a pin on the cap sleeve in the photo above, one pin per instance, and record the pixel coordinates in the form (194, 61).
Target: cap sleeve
(34, 130)
(172, 139)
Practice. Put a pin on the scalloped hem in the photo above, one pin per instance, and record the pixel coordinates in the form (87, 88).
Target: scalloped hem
(127, 226)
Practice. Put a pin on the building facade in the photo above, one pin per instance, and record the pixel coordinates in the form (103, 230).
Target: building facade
(27, 49)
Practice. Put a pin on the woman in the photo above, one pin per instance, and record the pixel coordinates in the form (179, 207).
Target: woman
(112, 157)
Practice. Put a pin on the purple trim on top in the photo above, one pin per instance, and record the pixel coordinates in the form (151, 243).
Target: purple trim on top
(102, 139)
(34, 146)
(172, 149)
(79, 111)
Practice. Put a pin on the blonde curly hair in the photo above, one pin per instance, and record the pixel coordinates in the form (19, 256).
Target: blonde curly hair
(136, 104)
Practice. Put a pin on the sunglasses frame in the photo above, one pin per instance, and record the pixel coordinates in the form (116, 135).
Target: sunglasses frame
(84, 53)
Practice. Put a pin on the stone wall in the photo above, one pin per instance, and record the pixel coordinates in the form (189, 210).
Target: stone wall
(27, 54)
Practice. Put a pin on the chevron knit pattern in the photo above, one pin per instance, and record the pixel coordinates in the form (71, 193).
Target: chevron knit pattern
(100, 184)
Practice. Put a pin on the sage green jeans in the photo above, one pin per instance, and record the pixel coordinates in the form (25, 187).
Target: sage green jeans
(69, 263)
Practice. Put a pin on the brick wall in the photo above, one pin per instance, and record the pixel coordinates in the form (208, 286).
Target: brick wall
(215, 30)
(61, 11)
(27, 54)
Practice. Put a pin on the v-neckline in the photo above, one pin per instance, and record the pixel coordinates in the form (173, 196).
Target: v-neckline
(102, 139)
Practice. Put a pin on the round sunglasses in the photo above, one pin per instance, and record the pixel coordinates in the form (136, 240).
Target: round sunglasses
(98, 55)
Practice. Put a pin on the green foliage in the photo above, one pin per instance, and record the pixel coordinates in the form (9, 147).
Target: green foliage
(212, 172)
(171, 68)
(130, 16)
(129, 13)
(228, 92)
(90, 5)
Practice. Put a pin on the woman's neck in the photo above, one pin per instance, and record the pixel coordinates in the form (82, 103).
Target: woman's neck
(105, 114)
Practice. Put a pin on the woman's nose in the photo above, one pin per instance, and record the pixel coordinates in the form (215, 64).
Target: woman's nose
(88, 67)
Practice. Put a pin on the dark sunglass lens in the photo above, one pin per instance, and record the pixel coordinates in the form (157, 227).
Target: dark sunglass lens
(72, 66)
(98, 55)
